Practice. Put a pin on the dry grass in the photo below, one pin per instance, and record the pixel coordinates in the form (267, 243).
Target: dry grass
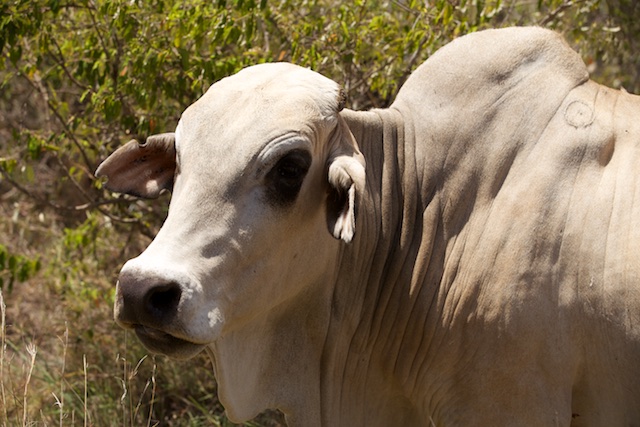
(53, 371)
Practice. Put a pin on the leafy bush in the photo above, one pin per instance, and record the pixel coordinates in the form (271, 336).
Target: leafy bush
(79, 78)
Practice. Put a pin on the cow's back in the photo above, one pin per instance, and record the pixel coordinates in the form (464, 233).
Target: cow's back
(596, 136)
(535, 170)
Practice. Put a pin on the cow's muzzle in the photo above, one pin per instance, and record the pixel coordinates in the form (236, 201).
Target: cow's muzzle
(161, 342)
(149, 303)
(146, 300)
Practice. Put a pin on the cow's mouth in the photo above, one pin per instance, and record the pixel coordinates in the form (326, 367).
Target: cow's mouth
(161, 342)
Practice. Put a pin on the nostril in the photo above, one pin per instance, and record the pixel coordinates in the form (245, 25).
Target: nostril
(163, 300)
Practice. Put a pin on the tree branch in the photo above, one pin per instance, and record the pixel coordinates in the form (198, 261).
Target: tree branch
(77, 208)
(554, 13)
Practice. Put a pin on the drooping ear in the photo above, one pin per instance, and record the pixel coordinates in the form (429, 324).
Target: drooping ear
(346, 176)
(142, 170)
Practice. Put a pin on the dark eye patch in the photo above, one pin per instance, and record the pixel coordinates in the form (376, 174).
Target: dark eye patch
(285, 178)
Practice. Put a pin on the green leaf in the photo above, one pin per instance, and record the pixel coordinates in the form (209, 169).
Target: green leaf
(28, 173)
(15, 53)
(54, 5)
(34, 147)
(8, 165)
(23, 272)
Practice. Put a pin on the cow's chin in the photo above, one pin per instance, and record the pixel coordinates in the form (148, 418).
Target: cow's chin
(160, 342)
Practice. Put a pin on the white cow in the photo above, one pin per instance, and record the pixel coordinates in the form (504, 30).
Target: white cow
(468, 256)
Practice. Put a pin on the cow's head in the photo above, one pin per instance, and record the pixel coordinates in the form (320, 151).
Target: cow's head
(263, 172)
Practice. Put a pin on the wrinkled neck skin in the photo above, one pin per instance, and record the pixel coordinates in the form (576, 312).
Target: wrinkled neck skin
(365, 365)
(323, 354)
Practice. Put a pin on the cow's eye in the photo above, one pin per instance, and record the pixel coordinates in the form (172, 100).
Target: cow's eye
(286, 177)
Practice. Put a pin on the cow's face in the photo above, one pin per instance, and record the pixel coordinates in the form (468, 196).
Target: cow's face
(264, 173)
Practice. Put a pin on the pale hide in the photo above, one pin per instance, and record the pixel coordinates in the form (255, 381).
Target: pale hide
(468, 256)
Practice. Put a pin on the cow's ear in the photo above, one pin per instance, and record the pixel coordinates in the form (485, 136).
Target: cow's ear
(142, 170)
(346, 176)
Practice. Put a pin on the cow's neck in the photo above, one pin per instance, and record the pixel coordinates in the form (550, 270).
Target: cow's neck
(405, 295)
(374, 334)
(311, 358)
(274, 361)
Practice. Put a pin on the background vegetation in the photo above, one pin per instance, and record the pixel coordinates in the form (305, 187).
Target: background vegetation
(80, 77)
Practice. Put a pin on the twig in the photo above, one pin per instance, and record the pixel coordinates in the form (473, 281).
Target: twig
(3, 345)
(60, 60)
(56, 206)
(32, 350)
(414, 55)
(565, 5)
(70, 134)
(61, 119)
(153, 391)
(73, 180)
(132, 374)
(406, 8)
(86, 392)
(98, 33)
(64, 364)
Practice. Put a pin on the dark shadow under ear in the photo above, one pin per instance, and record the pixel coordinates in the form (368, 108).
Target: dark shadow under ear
(142, 170)
(346, 176)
